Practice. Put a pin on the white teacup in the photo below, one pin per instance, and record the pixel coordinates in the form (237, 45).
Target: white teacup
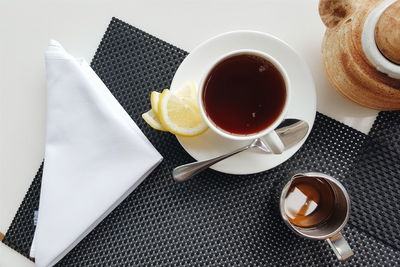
(268, 134)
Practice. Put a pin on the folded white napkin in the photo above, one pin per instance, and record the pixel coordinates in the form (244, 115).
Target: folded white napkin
(95, 156)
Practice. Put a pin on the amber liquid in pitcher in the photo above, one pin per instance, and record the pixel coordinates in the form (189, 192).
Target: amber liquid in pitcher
(309, 202)
(244, 94)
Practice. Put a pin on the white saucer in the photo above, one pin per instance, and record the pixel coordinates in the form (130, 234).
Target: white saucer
(302, 104)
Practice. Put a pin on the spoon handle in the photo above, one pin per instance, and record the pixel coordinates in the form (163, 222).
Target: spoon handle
(184, 172)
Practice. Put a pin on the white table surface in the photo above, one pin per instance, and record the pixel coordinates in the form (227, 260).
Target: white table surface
(26, 27)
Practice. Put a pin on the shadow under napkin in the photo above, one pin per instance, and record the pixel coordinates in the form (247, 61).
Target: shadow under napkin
(220, 219)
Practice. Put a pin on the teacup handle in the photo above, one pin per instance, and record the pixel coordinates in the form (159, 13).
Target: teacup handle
(274, 142)
(340, 246)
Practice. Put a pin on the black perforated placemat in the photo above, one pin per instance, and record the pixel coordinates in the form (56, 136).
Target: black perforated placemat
(220, 219)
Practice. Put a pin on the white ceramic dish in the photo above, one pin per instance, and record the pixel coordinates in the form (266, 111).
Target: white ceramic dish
(302, 104)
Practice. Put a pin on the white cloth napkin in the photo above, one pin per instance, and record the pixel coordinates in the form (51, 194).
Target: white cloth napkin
(95, 156)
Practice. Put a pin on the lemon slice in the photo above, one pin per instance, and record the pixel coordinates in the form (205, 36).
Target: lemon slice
(151, 118)
(178, 115)
(154, 98)
(188, 92)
